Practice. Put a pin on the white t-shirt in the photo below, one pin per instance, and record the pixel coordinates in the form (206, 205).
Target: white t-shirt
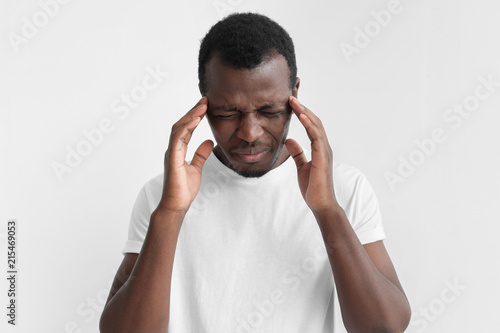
(250, 256)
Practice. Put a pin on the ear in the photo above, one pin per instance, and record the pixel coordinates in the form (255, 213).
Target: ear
(201, 91)
(295, 91)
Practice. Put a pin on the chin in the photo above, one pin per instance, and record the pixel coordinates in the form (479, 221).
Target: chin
(255, 171)
(251, 170)
(252, 173)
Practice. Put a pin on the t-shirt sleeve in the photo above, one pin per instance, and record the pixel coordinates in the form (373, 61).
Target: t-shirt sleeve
(361, 206)
(358, 199)
(139, 222)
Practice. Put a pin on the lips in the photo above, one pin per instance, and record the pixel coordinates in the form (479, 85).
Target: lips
(251, 155)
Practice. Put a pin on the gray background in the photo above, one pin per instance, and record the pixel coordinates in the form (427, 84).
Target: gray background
(67, 75)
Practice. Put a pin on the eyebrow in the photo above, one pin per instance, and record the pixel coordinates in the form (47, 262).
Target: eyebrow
(263, 107)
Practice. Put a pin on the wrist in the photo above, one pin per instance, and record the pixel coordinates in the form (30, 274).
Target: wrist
(332, 212)
(335, 228)
(332, 220)
(163, 215)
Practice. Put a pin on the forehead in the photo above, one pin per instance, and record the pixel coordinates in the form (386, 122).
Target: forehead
(266, 83)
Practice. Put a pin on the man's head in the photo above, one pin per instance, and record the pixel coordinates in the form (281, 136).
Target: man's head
(244, 40)
(247, 70)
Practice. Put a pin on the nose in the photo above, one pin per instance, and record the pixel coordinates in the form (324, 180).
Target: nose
(250, 128)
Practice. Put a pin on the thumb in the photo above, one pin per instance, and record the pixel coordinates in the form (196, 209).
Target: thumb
(201, 154)
(296, 152)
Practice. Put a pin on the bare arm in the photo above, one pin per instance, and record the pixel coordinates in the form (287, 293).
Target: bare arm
(370, 295)
(140, 297)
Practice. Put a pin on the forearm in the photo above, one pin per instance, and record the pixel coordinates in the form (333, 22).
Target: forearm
(142, 303)
(369, 301)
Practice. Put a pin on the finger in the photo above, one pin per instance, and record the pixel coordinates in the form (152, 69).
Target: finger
(199, 110)
(320, 147)
(300, 108)
(190, 125)
(201, 154)
(181, 137)
(316, 135)
(203, 100)
(296, 152)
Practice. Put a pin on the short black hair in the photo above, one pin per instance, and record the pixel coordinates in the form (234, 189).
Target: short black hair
(245, 40)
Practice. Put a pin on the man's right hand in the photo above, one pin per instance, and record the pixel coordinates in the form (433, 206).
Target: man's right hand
(131, 307)
(182, 180)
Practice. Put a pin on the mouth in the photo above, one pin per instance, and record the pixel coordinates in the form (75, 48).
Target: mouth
(251, 155)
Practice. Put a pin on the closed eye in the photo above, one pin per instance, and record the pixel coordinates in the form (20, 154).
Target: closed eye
(230, 114)
(227, 116)
(272, 114)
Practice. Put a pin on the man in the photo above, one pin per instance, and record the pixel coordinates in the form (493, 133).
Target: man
(268, 236)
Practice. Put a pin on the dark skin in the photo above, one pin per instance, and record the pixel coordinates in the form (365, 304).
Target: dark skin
(249, 113)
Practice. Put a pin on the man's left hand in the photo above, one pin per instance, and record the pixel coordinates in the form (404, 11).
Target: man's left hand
(315, 176)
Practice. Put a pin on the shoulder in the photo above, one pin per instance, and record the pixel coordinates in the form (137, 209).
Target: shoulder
(152, 189)
(359, 201)
(347, 176)
(351, 185)
(154, 182)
